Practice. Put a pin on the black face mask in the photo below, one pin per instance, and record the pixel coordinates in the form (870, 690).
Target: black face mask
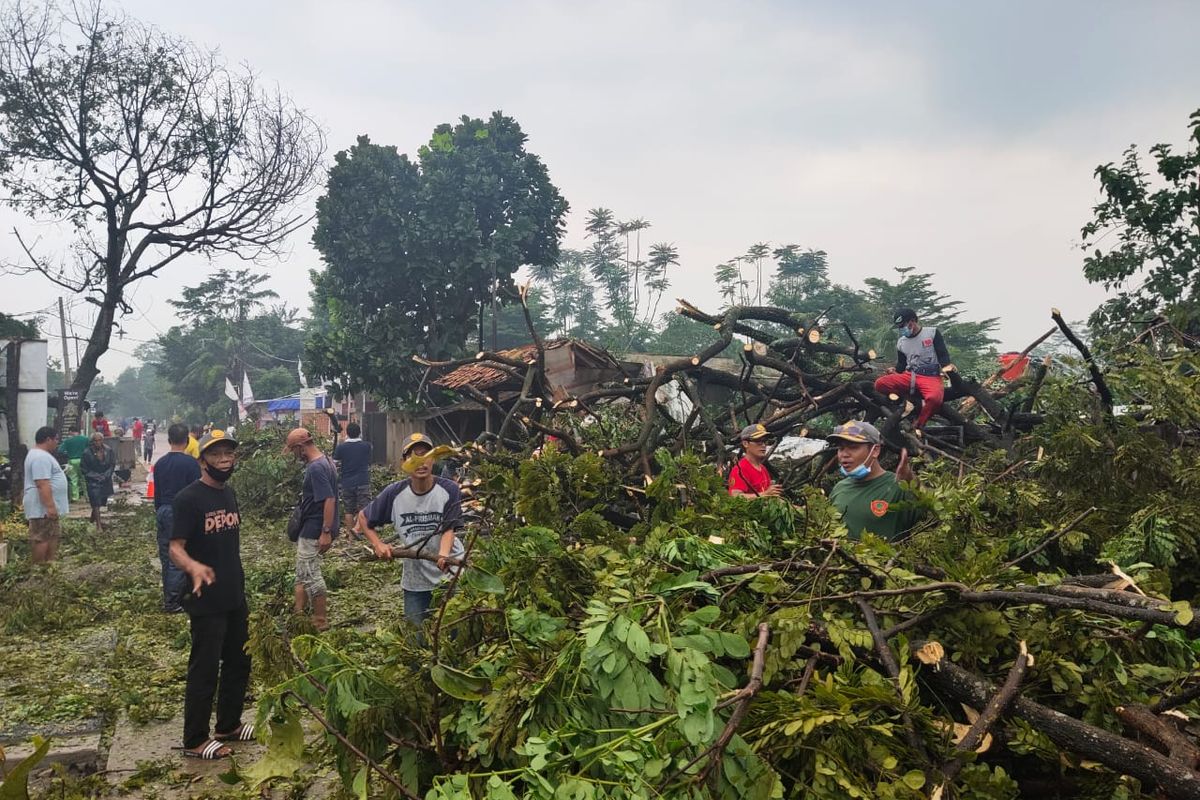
(219, 475)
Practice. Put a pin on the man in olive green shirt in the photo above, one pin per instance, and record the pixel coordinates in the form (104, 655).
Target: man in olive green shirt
(72, 447)
(869, 498)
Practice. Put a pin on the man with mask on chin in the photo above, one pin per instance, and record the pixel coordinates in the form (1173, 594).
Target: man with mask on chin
(868, 497)
(206, 546)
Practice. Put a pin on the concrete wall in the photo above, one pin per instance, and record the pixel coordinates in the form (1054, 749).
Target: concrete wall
(32, 402)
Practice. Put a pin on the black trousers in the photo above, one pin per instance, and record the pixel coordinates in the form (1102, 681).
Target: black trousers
(218, 666)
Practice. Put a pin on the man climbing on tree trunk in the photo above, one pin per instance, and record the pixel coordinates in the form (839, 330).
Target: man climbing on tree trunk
(921, 358)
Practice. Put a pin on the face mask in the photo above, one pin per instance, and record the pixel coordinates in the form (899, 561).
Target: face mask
(219, 475)
(859, 472)
(907, 333)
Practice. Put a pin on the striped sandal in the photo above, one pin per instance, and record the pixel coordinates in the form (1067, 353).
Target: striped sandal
(209, 751)
(242, 733)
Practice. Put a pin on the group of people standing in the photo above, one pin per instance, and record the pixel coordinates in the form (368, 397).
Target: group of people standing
(199, 523)
(868, 497)
(199, 534)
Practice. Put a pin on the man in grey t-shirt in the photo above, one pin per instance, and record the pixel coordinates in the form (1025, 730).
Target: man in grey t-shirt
(426, 512)
(45, 498)
(318, 524)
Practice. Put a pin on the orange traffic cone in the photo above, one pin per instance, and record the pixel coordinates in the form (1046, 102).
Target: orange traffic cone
(150, 484)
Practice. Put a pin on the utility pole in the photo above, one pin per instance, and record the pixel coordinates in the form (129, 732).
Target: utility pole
(62, 326)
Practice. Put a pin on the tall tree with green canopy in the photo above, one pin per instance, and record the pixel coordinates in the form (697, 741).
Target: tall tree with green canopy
(490, 207)
(1144, 236)
(139, 148)
(416, 252)
(608, 293)
(230, 326)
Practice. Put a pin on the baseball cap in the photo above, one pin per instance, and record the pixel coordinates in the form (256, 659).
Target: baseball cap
(413, 440)
(214, 436)
(296, 436)
(755, 431)
(855, 432)
(902, 316)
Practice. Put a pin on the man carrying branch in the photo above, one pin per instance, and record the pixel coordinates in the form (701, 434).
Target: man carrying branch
(921, 358)
(426, 512)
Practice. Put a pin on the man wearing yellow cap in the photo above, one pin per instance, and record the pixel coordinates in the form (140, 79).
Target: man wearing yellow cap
(868, 497)
(206, 547)
(426, 512)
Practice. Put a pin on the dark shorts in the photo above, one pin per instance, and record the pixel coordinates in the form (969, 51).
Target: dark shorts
(355, 499)
(44, 530)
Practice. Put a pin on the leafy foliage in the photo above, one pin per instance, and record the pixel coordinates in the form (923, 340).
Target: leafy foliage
(1154, 262)
(138, 148)
(230, 327)
(414, 251)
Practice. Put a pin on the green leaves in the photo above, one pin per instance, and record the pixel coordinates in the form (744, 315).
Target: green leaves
(284, 756)
(414, 250)
(16, 783)
(457, 683)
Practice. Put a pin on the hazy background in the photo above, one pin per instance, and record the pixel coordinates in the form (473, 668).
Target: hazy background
(956, 138)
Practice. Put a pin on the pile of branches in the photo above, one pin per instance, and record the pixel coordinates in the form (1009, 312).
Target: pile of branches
(747, 648)
(792, 373)
(667, 640)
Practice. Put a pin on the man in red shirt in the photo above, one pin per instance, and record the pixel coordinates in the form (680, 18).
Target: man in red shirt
(100, 424)
(136, 430)
(749, 477)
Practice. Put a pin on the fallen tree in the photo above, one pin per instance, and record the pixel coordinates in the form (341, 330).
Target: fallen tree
(793, 372)
(657, 638)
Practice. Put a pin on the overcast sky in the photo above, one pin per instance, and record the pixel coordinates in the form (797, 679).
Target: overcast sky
(957, 138)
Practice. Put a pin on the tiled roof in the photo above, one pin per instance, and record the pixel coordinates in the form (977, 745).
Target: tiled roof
(481, 376)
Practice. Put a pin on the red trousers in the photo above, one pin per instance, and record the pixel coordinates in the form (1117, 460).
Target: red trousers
(929, 387)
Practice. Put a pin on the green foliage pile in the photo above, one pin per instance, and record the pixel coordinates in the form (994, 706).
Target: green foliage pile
(579, 659)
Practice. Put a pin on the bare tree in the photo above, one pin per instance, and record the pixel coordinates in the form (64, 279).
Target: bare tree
(141, 148)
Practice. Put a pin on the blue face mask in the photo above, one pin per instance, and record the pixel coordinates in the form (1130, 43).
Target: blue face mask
(907, 333)
(859, 472)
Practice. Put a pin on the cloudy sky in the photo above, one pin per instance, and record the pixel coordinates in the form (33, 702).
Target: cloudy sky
(958, 138)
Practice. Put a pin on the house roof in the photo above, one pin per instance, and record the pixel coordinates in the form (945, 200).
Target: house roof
(481, 376)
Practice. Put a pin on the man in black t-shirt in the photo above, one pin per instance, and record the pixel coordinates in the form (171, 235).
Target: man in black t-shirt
(206, 545)
(353, 455)
(172, 474)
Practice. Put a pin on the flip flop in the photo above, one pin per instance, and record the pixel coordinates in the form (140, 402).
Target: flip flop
(211, 750)
(242, 733)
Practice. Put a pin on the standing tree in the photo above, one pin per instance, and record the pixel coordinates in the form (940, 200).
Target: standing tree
(491, 209)
(608, 293)
(416, 252)
(230, 328)
(1157, 242)
(143, 148)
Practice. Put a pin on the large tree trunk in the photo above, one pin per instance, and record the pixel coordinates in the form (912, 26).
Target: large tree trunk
(88, 369)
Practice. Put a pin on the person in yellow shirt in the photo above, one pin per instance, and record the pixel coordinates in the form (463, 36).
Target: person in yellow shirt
(193, 445)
